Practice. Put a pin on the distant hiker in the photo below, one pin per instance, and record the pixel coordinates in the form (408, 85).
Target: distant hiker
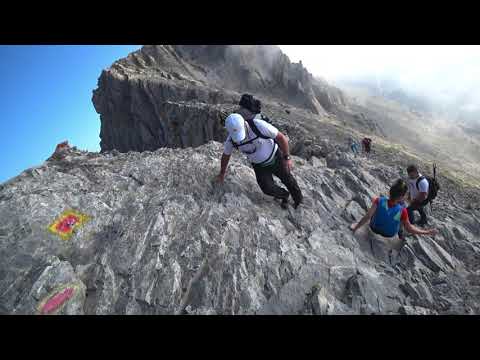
(421, 191)
(353, 146)
(386, 215)
(268, 151)
(367, 145)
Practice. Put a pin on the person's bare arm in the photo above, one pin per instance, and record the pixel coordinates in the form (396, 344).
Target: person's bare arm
(223, 167)
(417, 231)
(365, 219)
(283, 144)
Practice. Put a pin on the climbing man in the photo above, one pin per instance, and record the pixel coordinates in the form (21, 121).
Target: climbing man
(418, 188)
(367, 145)
(268, 151)
(386, 215)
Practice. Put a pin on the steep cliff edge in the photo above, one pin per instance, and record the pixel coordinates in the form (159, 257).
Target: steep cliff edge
(175, 95)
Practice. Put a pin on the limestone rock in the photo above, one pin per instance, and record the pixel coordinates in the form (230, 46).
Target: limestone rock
(164, 239)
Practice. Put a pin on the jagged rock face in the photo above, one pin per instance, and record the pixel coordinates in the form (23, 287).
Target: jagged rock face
(163, 239)
(144, 99)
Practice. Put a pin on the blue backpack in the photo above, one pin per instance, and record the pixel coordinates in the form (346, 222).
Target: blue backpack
(386, 221)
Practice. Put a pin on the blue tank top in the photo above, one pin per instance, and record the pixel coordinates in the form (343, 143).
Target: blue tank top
(386, 221)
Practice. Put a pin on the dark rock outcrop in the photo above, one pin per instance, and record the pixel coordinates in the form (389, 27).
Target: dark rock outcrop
(146, 100)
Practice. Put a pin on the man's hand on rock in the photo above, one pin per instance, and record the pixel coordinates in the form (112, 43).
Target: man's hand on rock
(353, 227)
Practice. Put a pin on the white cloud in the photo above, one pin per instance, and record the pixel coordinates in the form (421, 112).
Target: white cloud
(438, 71)
(332, 61)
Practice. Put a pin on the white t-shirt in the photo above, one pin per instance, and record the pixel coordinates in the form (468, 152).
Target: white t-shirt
(259, 150)
(412, 187)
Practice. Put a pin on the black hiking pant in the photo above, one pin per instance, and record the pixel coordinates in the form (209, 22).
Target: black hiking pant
(264, 175)
(421, 211)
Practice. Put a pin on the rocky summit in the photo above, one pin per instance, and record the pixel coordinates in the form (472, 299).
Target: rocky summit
(175, 95)
(143, 228)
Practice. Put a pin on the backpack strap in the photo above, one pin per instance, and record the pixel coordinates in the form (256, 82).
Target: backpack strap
(257, 132)
(265, 118)
(236, 146)
(254, 128)
(418, 181)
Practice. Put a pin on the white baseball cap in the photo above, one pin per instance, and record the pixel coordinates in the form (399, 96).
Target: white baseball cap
(235, 125)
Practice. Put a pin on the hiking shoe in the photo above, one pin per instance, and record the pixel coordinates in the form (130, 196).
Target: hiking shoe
(284, 204)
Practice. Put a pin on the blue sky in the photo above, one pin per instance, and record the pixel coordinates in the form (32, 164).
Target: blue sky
(46, 97)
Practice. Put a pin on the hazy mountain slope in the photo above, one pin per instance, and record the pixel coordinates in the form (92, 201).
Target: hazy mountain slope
(430, 134)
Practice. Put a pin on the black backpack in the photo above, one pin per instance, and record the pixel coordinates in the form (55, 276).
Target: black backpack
(250, 103)
(253, 105)
(433, 185)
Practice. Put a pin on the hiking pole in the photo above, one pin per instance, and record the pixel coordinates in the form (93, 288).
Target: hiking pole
(435, 178)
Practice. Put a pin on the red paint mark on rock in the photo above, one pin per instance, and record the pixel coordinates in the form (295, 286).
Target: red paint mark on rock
(57, 300)
(67, 223)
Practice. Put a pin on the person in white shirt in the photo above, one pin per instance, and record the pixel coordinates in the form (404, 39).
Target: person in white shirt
(417, 194)
(267, 150)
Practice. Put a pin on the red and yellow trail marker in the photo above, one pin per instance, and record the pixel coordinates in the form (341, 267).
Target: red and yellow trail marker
(57, 299)
(67, 222)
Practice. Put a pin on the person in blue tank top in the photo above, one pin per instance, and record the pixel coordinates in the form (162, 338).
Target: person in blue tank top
(388, 214)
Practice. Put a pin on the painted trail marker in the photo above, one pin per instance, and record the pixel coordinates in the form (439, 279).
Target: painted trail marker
(57, 299)
(67, 223)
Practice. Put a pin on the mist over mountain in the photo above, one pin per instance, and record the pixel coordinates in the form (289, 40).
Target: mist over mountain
(443, 79)
(455, 104)
(389, 89)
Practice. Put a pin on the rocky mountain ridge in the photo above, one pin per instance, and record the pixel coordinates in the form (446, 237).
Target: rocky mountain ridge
(176, 95)
(163, 238)
(142, 228)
